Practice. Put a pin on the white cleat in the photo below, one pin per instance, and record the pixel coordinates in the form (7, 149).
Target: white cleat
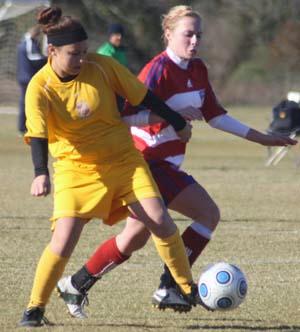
(74, 300)
(170, 298)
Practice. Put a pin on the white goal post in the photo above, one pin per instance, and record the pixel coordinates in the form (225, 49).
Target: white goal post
(16, 17)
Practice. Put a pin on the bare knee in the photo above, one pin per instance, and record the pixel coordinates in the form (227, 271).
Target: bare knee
(128, 245)
(140, 240)
(153, 215)
(133, 237)
(66, 235)
(162, 224)
(210, 217)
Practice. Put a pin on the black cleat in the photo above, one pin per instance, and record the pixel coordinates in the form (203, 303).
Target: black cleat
(34, 317)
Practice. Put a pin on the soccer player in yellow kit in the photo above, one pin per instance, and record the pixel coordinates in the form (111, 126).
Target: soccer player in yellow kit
(71, 109)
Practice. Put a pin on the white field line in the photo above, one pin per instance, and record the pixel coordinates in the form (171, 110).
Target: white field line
(9, 110)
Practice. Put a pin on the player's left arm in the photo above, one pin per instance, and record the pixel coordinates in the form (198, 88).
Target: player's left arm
(129, 86)
(218, 118)
(161, 112)
(145, 117)
(142, 118)
(229, 124)
(269, 139)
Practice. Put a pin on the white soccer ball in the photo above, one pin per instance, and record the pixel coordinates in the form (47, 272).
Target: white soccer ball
(222, 286)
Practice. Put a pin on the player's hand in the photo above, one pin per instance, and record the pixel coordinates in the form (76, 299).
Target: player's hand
(40, 186)
(278, 140)
(186, 133)
(270, 139)
(190, 113)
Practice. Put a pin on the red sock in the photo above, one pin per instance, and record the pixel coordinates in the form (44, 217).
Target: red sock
(194, 243)
(105, 258)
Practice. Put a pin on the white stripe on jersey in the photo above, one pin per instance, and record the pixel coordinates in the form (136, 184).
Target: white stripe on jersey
(165, 135)
(186, 99)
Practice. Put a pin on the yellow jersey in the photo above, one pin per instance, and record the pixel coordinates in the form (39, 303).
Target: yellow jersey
(80, 118)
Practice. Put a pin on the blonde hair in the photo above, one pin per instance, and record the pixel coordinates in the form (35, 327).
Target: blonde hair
(176, 13)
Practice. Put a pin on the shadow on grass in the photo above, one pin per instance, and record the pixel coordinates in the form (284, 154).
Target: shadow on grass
(220, 327)
(238, 327)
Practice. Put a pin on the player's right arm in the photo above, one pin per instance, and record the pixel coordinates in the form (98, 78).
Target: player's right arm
(37, 136)
(41, 185)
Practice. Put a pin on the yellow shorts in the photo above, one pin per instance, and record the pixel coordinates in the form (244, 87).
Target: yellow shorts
(92, 191)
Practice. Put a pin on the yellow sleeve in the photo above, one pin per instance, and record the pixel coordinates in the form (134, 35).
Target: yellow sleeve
(124, 82)
(36, 109)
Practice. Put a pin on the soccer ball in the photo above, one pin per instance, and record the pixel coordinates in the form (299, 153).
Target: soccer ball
(222, 286)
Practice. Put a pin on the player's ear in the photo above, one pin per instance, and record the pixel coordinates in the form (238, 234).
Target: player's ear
(51, 49)
(167, 34)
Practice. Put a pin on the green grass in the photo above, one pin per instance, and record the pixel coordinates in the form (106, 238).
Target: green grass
(260, 232)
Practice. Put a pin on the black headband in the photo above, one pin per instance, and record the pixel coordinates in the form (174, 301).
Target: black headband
(67, 37)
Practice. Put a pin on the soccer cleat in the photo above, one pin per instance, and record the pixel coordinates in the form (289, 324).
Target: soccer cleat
(74, 300)
(34, 317)
(184, 301)
(170, 298)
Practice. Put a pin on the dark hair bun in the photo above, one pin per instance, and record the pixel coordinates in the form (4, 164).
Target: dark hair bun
(49, 15)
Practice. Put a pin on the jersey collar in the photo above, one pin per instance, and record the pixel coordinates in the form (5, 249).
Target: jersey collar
(183, 64)
(53, 77)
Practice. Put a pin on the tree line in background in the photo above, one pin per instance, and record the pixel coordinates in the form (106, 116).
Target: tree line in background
(251, 47)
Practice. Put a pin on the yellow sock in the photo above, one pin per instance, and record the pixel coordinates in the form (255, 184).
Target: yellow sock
(172, 252)
(49, 270)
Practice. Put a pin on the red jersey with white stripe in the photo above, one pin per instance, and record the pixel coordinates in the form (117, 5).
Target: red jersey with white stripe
(179, 88)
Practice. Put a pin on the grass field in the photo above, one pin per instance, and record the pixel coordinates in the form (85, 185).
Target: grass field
(260, 232)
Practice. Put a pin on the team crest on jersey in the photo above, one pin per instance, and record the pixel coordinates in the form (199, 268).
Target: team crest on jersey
(189, 84)
(83, 110)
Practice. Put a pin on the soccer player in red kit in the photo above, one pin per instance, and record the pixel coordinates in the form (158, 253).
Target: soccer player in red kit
(179, 78)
